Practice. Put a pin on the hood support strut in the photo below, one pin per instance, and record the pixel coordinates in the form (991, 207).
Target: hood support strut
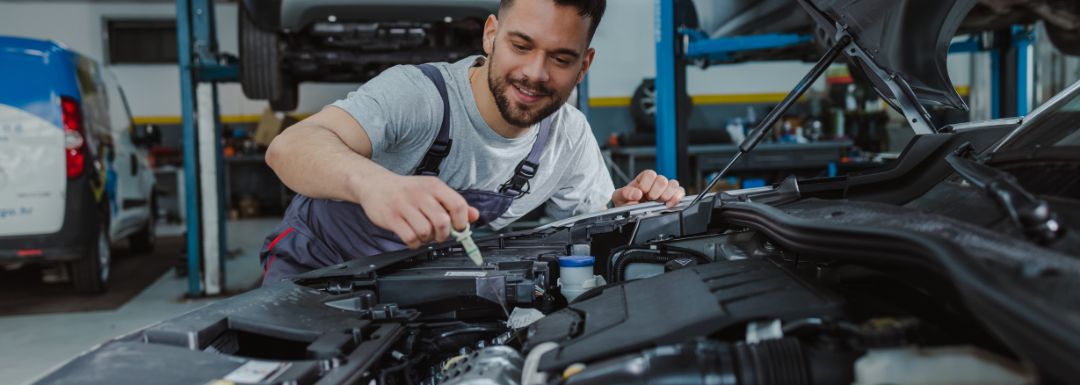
(902, 98)
(758, 133)
(904, 102)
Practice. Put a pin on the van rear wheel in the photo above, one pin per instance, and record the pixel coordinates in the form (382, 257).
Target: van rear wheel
(90, 274)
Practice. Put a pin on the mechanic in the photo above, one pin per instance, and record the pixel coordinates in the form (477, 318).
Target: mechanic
(420, 149)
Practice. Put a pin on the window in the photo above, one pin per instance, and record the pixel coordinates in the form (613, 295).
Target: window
(141, 41)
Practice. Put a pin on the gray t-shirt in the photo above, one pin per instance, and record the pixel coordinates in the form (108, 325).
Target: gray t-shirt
(401, 110)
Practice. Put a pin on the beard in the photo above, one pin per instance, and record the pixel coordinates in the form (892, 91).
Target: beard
(519, 114)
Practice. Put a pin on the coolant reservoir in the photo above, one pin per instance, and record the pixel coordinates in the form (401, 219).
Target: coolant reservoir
(574, 272)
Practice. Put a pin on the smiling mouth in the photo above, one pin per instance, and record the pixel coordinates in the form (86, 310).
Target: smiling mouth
(528, 95)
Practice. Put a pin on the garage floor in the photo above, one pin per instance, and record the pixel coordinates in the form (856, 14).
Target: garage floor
(35, 344)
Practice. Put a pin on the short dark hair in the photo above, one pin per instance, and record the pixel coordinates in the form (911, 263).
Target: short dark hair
(593, 9)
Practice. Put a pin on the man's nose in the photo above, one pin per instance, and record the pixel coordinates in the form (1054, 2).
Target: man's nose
(536, 68)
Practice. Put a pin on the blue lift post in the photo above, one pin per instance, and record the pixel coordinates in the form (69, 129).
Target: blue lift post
(583, 96)
(1013, 69)
(1023, 40)
(976, 44)
(199, 63)
(1011, 64)
(675, 48)
(667, 119)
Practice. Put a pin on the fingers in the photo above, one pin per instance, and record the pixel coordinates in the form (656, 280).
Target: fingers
(454, 205)
(644, 180)
(474, 214)
(626, 196)
(650, 186)
(673, 195)
(632, 195)
(659, 185)
(402, 229)
(420, 226)
(650, 183)
(438, 217)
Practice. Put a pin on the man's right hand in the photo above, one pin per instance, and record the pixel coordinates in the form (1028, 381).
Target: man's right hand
(418, 209)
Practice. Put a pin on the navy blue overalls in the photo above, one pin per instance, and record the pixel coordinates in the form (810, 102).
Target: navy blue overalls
(320, 232)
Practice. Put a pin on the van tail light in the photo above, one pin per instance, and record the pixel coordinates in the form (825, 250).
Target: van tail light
(74, 137)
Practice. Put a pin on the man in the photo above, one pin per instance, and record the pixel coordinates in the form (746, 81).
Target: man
(374, 173)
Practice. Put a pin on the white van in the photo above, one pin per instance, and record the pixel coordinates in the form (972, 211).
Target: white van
(74, 175)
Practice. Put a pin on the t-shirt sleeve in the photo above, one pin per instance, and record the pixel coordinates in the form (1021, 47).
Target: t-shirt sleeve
(394, 105)
(587, 186)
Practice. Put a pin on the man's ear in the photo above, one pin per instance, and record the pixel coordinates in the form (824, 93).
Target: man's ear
(491, 27)
(586, 62)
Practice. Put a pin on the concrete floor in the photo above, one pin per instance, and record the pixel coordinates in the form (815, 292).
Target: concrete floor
(33, 345)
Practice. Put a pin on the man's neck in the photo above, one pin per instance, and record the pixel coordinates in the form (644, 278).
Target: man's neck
(485, 102)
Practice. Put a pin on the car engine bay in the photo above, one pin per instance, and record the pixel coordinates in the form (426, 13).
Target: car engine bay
(773, 285)
(923, 272)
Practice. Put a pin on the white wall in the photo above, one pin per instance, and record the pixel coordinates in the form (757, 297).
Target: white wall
(624, 44)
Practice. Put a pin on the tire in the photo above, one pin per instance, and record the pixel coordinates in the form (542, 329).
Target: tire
(90, 275)
(261, 72)
(287, 98)
(144, 240)
(643, 106)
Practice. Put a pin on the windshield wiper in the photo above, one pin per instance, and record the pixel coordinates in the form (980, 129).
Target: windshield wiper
(1031, 214)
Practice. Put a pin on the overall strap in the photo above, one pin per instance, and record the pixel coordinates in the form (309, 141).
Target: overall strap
(518, 185)
(429, 165)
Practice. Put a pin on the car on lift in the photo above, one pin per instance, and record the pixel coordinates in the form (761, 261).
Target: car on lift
(74, 175)
(958, 263)
(715, 19)
(285, 42)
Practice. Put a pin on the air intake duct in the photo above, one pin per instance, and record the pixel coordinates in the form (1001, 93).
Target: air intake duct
(782, 361)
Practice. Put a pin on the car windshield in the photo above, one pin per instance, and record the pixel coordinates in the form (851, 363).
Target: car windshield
(1058, 127)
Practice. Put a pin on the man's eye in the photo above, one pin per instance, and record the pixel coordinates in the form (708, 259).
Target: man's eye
(519, 47)
(562, 60)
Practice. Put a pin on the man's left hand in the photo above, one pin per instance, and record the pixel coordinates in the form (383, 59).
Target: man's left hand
(649, 187)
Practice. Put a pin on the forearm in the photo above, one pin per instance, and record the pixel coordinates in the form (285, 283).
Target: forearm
(315, 162)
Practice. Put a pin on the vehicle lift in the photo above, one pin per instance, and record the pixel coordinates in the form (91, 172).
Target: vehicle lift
(1012, 62)
(677, 47)
(202, 67)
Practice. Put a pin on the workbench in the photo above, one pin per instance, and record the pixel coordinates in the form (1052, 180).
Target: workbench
(766, 157)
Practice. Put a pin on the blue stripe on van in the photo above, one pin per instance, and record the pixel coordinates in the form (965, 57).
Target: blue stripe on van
(34, 74)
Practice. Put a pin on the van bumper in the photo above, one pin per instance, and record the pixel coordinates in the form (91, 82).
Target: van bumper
(82, 221)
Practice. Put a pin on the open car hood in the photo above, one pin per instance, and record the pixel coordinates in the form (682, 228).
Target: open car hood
(907, 39)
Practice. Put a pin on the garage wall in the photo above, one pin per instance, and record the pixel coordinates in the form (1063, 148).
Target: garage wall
(624, 43)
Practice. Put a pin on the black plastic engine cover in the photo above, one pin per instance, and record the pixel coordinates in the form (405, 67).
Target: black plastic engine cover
(293, 327)
(121, 363)
(676, 307)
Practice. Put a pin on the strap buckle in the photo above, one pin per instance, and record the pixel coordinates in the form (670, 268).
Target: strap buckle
(440, 149)
(518, 185)
(526, 169)
(429, 164)
(512, 187)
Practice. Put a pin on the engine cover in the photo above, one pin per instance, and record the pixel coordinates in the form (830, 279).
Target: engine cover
(709, 298)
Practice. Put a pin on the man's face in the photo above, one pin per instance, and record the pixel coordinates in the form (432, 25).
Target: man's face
(538, 53)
